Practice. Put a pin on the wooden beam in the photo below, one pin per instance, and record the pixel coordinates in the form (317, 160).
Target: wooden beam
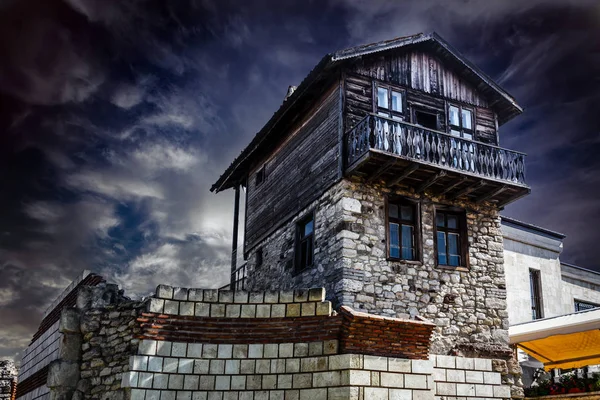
(431, 181)
(236, 212)
(381, 170)
(450, 187)
(513, 198)
(468, 189)
(491, 194)
(407, 171)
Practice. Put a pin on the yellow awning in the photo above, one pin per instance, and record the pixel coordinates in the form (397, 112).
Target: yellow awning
(568, 341)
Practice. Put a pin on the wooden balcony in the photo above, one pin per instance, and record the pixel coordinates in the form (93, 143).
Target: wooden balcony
(399, 153)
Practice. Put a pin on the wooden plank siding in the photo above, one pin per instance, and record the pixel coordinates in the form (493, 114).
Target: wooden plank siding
(428, 84)
(297, 172)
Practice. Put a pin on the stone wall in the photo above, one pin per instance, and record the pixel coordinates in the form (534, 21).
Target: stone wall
(468, 307)
(208, 344)
(8, 380)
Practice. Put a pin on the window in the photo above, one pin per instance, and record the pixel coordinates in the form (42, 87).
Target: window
(451, 238)
(304, 243)
(426, 119)
(259, 257)
(402, 230)
(260, 175)
(389, 101)
(460, 121)
(536, 294)
(584, 305)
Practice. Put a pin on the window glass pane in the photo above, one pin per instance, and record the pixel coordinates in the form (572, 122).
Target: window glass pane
(453, 244)
(394, 241)
(467, 136)
(382, 97)
(308, 228)
(454, 116)
(467, 119)
(452, 221)
(407, 213)
(396, 101)
(407, 242)
(440, 220)
(454, 133)
(454, 261)
(393, 210)
(441, 245)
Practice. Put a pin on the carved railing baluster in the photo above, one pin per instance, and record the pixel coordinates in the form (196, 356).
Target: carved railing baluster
(433, 147)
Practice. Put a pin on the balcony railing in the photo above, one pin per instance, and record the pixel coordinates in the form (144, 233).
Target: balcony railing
(239, 278)
(435, 148)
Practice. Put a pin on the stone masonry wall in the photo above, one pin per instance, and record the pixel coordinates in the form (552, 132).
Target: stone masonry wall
(8, 380)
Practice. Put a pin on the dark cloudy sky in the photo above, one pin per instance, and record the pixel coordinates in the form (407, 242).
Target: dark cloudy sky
(117, 115)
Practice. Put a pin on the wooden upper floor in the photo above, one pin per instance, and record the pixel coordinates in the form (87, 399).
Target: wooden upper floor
(410, 111)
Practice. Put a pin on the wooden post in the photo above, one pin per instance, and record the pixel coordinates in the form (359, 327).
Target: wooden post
(236, 211)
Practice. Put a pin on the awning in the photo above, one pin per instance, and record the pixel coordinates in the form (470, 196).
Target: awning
(568, 341)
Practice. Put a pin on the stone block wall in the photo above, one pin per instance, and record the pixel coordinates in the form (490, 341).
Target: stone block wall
(209, 344)
(468, 306)
(8, 380)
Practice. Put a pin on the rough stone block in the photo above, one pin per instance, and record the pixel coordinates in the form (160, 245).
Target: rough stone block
(263, 311)
(323, 308)
(247, 366)
(344, 361)
(446, 362)
(186, 308)
(445, 389)
(63, 374)
(278, 311)
(455, 375)
(483, 364)
(152, 394)
(270, 350)
(474, 376)
(300, 349)
(401, 394)
(269, 382)
(484, 391)
(263, 366)
(129, 379)
(286, 350)
(355, 378)
(240, 296)
(255, 351)
(225, 296)
(308, 309)
(171, 307)
(207, 382)
(145, 380)
(271, 297)
(375, 363)
(176, 382)
(180, 293)
(315, 348)
(492, 378)
(232, 310)
(292, 365)
(183, 396)
(286, 296)
(170, 365)
(465, 363)
(138, 394)
(292, 310)
(156, 305)
(423, 395)
(248, 311)
(389, 379)
(415, 381)
(217, 310)
(300, 381)
(154, 364)
(186, 366)
(201, 367)
(160, 381)
(330, 347)
(373, 393)
(240, 351)
(168, 394)
(202, 310)
(238, 382)
(399, 365)
(164, 292)
(439, 374)
(256, 297)
(211, 296)
(163, 348)
(70, 347)
(194, 350)
(222, 382)
(147, 347)
(69, 321)
(422, 367)
(232, 367)
(179, 349)
(502, 391)
(465, 389)
(217, 367)
(195, 295)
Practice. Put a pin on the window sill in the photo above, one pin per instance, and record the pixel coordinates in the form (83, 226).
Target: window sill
(410, 262)
(297, 272)
(451, 268)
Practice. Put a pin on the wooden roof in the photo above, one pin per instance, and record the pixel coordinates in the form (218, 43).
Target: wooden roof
(326, 70)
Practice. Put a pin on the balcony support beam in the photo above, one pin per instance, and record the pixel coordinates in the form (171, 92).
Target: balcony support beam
(491, 194)
(407, 171)
(467, 190)
(431, 181)
(450, 187)
(513, 198)
(381, 170)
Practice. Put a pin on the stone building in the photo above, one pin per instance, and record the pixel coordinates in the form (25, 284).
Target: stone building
(8, 380)
(381, 179)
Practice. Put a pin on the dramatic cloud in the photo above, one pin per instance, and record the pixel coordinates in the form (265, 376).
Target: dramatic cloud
(116, 116)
